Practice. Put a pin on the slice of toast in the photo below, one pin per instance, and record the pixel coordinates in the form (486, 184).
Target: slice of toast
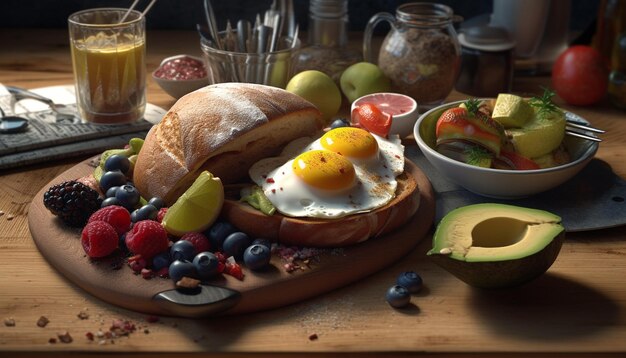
(314, 232)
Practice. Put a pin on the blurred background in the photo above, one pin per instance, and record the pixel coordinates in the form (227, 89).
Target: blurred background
(185, 14)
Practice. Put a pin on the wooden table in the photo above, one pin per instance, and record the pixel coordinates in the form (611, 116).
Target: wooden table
(578, 307)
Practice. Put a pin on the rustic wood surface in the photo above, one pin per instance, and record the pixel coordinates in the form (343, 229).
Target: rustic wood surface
(579, 306)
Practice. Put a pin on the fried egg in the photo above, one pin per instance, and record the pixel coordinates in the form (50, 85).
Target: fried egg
(347, 171)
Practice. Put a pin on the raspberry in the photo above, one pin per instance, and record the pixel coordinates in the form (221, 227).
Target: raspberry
(161, 214)
(199, 241)
(147, 238)
(117, 216)
(99, 239)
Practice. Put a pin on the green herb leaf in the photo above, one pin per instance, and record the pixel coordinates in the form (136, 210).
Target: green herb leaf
(544, 104)
(472, 106)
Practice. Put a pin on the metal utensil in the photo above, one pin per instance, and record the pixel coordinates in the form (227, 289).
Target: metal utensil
(212, 24)
(573, 128)
(12, 124)
(243, 29)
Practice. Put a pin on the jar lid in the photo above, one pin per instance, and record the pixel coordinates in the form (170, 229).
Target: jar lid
(486, 38)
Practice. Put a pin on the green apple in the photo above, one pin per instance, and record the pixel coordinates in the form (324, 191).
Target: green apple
(361, 79)
(319, 89)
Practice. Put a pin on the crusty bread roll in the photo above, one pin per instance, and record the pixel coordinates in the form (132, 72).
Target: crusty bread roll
(211, 129)
(348, 230)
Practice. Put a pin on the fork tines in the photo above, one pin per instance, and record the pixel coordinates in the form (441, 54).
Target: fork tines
(574, 129)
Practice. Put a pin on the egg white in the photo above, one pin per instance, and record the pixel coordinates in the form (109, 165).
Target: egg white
(375, 181)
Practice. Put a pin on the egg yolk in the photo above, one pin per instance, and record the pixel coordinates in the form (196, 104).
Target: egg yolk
(351, 142)
(324, 170)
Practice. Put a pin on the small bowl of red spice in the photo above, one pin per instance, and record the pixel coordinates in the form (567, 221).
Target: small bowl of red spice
(181, 74)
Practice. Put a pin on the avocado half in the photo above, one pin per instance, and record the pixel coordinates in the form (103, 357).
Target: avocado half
(496, 245)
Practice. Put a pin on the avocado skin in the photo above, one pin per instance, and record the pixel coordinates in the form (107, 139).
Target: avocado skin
(502, 274)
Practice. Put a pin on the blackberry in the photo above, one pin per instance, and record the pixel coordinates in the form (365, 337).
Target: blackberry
(72, 201)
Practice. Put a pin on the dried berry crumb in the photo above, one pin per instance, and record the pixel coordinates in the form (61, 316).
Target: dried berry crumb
(313, 337)
(187, 282)
(52, 340)
(43, 321)
(83, 315)
(9, 322)
(65, 337)
(89, 336)
(152, 319)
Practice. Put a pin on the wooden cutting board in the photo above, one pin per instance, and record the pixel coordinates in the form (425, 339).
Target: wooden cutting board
(117, 284)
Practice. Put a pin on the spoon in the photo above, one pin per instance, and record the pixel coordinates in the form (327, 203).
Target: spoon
(12, 124)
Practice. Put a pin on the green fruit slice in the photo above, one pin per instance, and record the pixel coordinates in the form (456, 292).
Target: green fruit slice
(539, 136)
(511, 111)
(197, 208)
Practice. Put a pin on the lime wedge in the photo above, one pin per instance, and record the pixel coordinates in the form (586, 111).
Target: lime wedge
(197, 208)
(511, 111)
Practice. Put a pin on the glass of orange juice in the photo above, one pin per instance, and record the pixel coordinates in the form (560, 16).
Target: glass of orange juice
(108, 55)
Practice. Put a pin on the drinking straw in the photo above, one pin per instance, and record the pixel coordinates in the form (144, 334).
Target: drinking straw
(132, 6)
(129, 10)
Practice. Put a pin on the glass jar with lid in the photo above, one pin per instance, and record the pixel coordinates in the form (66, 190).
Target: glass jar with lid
(421, 53)
(327, 50)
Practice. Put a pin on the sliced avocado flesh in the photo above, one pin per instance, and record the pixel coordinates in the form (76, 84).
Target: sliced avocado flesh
(497, 245)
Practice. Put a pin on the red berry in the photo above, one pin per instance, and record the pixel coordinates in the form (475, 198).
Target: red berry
(199, 241)
(234, 270)
(147, 273)
(147, 238)
(161, 214)
(116, 216)
(99, 239)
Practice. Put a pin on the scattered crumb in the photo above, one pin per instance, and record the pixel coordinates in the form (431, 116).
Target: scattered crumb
(9, 322)
(89, 336)
(152, 319)
(313, 337)
(65, 337)
(10, 217)
(43, 321)
(187, 282)
(82, 315)
(1, 212)
(52, 340)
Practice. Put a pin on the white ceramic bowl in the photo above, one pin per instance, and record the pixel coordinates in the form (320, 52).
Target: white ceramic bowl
(497, 183)
(401, 124)
(179, 88)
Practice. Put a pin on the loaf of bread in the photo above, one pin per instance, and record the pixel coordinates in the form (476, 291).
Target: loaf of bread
(222, 128)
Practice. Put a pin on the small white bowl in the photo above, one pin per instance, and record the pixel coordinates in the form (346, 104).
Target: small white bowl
(179, 88)
(401, 124)
(498, 183)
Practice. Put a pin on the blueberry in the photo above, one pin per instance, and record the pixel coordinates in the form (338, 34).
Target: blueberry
(122, 243)
(117, 162)
(128, 196)
(157, 202)
(182, 250)
(110, 201)
(410, 280)
(179, 269)
(111, 192)
(398, 296)
(111, 179)
(257, 257)
(235, 244)
(339, 122)
(264, 242)
(218, 233)
(206, 264)
(161, 260)
(146, 212)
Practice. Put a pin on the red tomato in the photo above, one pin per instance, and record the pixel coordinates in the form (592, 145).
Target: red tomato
(517, 161)
(371, 118)
(580, 75)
